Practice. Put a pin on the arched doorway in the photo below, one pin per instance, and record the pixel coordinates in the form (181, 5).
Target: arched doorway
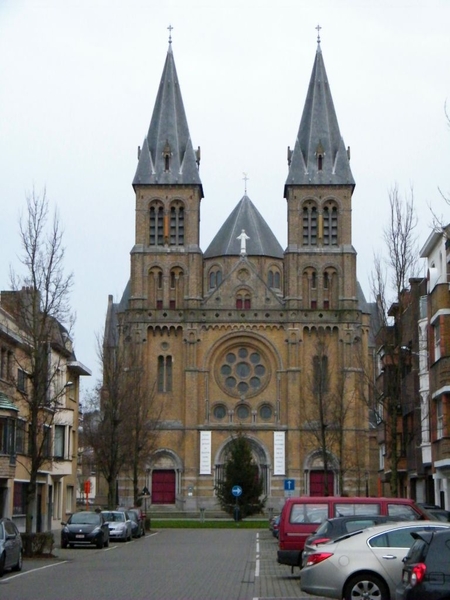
(318, 481)
(164, 477)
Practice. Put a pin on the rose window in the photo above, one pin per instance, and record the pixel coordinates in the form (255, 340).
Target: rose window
(243, 372)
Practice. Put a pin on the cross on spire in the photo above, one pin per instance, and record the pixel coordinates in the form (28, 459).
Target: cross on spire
(245, 178)
(170, 33)
(318, 33)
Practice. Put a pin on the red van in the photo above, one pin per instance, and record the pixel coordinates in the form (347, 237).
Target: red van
(301, 516)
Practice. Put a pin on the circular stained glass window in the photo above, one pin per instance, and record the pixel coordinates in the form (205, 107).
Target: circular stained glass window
(265, 412)
(220, 412)
(242, 412)
(242, 371)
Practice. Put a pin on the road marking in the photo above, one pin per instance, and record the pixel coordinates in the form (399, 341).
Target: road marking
(33, 570)
(257, 563)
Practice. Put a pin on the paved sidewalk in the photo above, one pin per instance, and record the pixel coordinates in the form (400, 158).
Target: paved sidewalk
(276, 581)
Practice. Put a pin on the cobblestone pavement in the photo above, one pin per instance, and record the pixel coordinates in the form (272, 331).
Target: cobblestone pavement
(275, 581)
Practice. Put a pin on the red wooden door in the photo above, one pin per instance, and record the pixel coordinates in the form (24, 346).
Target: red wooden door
(317, 483)
(163, 487)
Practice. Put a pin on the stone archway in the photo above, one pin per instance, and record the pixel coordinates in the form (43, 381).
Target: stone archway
(315, 476)
(164, 476)
(260, 455)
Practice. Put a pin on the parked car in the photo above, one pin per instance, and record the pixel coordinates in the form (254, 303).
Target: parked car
(137, 525)
(11, 547)
(141, 517)
(119, 524)
(435, 512)
(426, 568)
(331, 529)
(85, 527)
(301, 517)
(363, 564)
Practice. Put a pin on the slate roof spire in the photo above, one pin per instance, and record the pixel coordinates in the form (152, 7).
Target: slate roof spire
(259, 238)
(167, 155)
(319, 156)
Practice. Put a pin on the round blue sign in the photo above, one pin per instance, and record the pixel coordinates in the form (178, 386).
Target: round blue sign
(236, 490)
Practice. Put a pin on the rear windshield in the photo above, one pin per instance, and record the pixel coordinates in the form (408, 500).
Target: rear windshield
(417, 552)
(309, 513)
(345, 509)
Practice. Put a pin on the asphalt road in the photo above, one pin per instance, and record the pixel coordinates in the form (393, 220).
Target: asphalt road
(170, 564)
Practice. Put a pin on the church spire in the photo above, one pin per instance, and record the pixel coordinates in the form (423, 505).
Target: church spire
(319, 156)
(167, 156)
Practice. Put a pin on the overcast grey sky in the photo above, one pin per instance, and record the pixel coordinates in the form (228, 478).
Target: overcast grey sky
(78, 84)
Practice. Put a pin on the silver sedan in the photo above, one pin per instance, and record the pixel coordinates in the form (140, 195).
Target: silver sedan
(363, 564)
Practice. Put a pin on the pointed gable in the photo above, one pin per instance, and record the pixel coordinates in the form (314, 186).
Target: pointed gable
(245, 216)
(319, 156)
(167, 156)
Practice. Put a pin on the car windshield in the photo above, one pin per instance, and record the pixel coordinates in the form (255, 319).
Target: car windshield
(119, 517)
(132, 516)
(85, 519)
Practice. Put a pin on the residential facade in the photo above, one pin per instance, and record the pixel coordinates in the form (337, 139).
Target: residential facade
(57, 479)
(246, 337)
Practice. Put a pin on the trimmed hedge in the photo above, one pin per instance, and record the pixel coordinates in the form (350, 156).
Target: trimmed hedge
(38, 544)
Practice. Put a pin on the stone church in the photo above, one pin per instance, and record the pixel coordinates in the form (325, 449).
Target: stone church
(246, 337)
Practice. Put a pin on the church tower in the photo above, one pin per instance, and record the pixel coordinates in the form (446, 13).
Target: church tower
(246, 338)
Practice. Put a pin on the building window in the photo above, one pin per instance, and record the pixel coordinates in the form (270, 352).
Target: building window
(437, 339)
(220, 412)
(47, 442)
(21, 436)
(7, 435)
(320, 375)
(274, 279)
(164, 373)
(60, 431)
(156, 225)
(242, 412)
(381, 455)
(266, 412)
(215, 278)
(243, 372)
(330, 225)
(20, 494)
(439, 419)
(21, 381)
(243, 301)
(310, 225)
(177, 224)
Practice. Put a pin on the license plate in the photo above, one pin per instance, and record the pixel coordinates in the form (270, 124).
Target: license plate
(80, 536)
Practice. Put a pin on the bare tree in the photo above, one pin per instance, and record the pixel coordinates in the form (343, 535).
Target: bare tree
(122, 428)
(390, 283)
(41, 305)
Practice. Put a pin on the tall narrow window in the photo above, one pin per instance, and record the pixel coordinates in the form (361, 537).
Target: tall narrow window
(60, 431)
(320, 374)
(177, 224)
(274, 279)
(309, 225)
(156, 225)
(330, 225)
(215, 278)
(243, 301)
(164, 377)
(320, 162)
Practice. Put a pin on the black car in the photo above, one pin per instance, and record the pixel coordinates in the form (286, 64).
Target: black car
(85, 528)
(426, 570)
(435, 512)
(137, 525)
(331, 529)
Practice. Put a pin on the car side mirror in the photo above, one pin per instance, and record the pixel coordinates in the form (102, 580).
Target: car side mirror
(63, 523)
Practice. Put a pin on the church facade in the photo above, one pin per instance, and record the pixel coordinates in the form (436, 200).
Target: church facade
(246, 337)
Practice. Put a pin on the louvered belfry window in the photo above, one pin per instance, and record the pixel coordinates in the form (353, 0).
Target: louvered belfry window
(156, 225)
(330, 225)
(309, 225)
(177, 224)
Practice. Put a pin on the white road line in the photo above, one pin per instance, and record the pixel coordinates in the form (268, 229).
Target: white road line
(257, 562)
(33, 571)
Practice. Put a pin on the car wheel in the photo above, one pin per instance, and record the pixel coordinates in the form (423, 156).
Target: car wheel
(369, 587)
(64, 544)
(2, 564)
(99, 543)
(18, 565)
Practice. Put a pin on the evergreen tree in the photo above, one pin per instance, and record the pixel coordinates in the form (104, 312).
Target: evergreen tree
(240, 469)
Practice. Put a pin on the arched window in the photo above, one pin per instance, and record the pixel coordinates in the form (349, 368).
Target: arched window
(164, 376)
(243, 301)
(156, 224)
(310, 225)
(215, 278)
(177, 224)
(274, 279)
(330, 225)
(320, 162)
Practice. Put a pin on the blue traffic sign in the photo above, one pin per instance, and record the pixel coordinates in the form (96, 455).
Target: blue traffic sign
(236, 490)
(289, 485)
